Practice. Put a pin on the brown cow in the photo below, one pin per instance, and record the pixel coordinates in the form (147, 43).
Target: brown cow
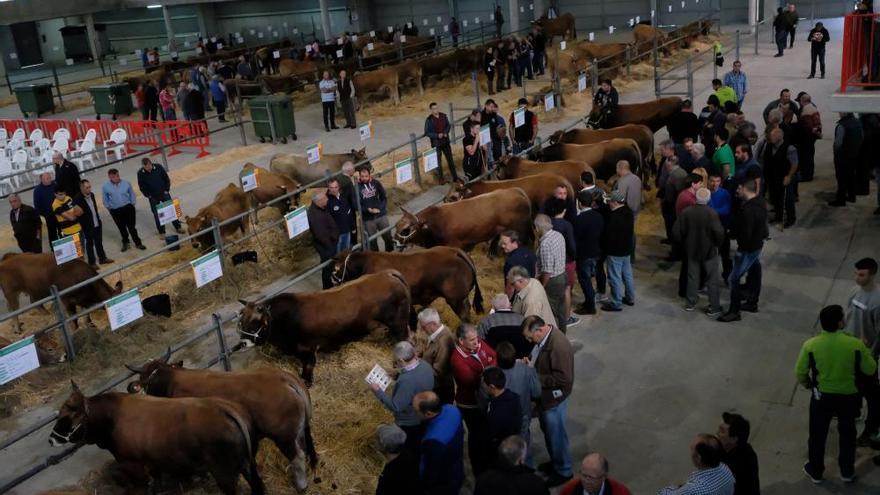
(537, 187)
(286, 423)
(34, 274)
(270, 186)
(148, 434)
(382, 81)
(456, 225)
(605, 53)
(640, 133)
(431, 273)
(440, 65)
(304, 69)
(279, 84)
(570, 63)
(643, 38)
(300, 324)
(654, 114)
(603, 157)
(297, 167)
(49, 351)
(563, 25)
(229, 202)
(411, 71)
(513, 167)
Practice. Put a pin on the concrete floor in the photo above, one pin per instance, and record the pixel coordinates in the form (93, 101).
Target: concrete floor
(651, 377)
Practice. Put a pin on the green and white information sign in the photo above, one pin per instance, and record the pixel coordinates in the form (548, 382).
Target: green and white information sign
(485, 135)
(207, 268)
(124, 309)
(297, 222)
(168, 211)
(17, 359)
(403, 171)
(519, 117)
(429, 159)
(67, 248)
(549, 102)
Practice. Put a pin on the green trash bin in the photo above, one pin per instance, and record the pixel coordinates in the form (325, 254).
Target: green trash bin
(113, 99)
(35, 99)
(272, 117)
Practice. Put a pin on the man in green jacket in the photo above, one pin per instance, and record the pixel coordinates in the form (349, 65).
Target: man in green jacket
(724, 93)
(829, 364)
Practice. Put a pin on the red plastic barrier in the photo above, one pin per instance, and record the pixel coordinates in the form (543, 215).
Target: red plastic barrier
(191, 134)
(860, 64)
(50, 126)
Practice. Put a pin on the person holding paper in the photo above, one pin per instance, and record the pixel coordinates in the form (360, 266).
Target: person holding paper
(93, 243)
(155, 185)
(437, 129)
(415, 376)
(325, 234)
(473, 162)
(525, 128)
(328, 101)
(26, 225)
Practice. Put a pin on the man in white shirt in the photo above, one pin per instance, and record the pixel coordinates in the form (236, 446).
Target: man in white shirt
(328, 100)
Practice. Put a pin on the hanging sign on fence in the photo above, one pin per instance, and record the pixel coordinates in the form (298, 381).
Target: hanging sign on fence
(446, 29)
(562, 45)
(354, 38)
(485, 135)
(138, 53)
(198, 49)
(124, 308)
(338, 53)
(186, 43)
(631, 22)
(464, 22)
(519, 117)
(274, 34)
(250, 180)
(297, 222)
(241, 39)
(366, 130)
(207, 268)
(370, 47)
(424, 22)
(531, 6)
(219, 46)
(409, 25)
(670, 8)
(168, 211)
(403, 171)
(276, 54)
(439, 19)
(308, 48)
(253, 32)
(491, 17)
(549, 102)
(339, 41)
(260, 35)
(68, 61)
(67, 248)
(372, 34)
(610, 29)
(313, 153)
(476, 20)
(429, 159)
(17, 359)
(582, 83)
(432, 31)
(682, 3)
(295, 30)
(390, 29)
(403, 38)
(213, 39)
(652, 14)
(123, 61)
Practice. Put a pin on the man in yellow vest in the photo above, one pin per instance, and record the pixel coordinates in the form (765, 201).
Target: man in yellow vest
(724, 93)
(66, 213)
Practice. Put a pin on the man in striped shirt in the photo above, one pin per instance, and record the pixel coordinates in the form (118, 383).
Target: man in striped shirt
(712, 477)
(551, 267)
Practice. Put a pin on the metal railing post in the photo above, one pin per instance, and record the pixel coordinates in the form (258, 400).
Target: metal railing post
(361, 225)
(415, 158)
(452, 123)
(218, 241)
(239, 114)
(482, 40)
(62, 319)
(737, 44)
(714, 68)
(476, 88)
(57, 87)
(8, 84)
(162, 152)
(221, 342)
(656, 69)
(628, 60)
(272, 124)
(757, 30)
(690, 79)
(594, 77)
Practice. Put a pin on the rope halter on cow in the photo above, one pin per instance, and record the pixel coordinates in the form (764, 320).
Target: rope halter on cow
(252, 337)
(337, 279)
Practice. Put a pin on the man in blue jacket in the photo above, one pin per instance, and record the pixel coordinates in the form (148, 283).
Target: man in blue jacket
(44, 195)
(442, 465)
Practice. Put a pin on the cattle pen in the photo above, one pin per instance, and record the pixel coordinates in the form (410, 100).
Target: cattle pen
(217, 331)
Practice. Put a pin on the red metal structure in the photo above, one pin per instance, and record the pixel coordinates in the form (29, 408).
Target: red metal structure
(860, 66)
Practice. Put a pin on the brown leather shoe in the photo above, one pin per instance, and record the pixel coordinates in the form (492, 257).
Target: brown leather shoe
(106, 261)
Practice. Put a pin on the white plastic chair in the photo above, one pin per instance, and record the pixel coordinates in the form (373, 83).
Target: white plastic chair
(91, 135)
(5, 171)
(116, 144)
(85, 153)
(19, 134)
(35, 136)
(41, 151)
(12, 146)
(19, 164)
(4, 137)
(60, 146)
(60, 133)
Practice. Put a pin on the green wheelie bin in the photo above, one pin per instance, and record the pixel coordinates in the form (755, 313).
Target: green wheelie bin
(35, 99)
(113, 99)
(272, 117)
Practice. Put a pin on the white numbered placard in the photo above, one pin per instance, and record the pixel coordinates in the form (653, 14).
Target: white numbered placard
(424, 22)
(519, 117)
(274, 34)
(432, 32)
(610, 29)
(219, 46)
(366, 130)
(168, 211)
(372, 34)
(429, 159)
(476, 20)
(370, 47)
(260, 35)
(592, 36)
(522, 9)
(123, 61)
(439, 20)
(338, 53)
(485, 134)
(18, 358)
(403, 38)
(582, 83)
(213, 39)
(68, 61)
(682, 3)
(464, 22)
(378, 376)
(250, 180)
(491, 17)
(253, 32)
(199, 50)
(670, 8)
(137, 53)
(174, 54)
(549, 102)
(186, 44)
(354, 38)
(531, 6)
(67, 248)
(639, 19)
(409, 25)
(403, 171)
(124, 309)
(276, 54)
(562, 45)
(631, 22)
(445, 29)
(390, 29)
(207, 268)
(339, 41)
(297, 222)
(295, 30)
(313, 153)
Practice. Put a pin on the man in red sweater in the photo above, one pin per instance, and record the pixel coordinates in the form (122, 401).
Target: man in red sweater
(470, 357)
(594, 479)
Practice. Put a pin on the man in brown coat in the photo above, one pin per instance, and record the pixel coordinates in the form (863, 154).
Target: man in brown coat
(438, 352)
(553, 360)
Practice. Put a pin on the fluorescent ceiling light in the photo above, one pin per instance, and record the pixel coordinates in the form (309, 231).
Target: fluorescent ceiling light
(154, 6)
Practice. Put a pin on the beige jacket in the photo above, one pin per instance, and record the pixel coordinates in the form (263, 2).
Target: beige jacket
(532, 300)
(437, 354)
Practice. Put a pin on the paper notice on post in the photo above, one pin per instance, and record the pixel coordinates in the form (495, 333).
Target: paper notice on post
(429, 159)
(276, 54)
(485, 135)
(17, 359)
(67, 248)
(403, 171)
(207, 268)
(582, 83)
(297, 222)
(366, 130)
(403, 38)
(313, 153)
(168, 211)
(519, 117)
(379, 376)
(124, 308)
(549, 102)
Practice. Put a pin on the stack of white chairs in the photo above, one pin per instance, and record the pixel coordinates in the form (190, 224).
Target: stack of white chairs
(19, 165)
(116, 144)
(31, 143)
(85, 153)
(42, 152)
(60, 145)
(4, 137)
(12, 146)
(5, 172)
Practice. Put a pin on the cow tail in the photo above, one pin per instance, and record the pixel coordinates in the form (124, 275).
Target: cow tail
(245, 431)
(311, 452)
(478, 294)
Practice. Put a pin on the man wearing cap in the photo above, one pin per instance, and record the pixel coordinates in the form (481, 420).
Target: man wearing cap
(619, 243)
(738, 454)
(440, 346)
(401, 471)
(699, 230)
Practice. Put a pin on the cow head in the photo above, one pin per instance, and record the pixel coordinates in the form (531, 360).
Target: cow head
(73, 418)
(502, 167)
(458, 190)
(407, 230)
(254, 323)
(346, 266)
(358, 155)
(196, 224)
(556, 137)
(152, 377)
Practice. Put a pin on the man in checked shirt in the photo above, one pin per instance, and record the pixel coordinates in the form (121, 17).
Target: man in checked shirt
(551, 267)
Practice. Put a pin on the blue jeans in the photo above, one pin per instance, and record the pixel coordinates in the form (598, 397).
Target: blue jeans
(586, 270)
(745, 262)
(620, 277)
(556, 438)
(344, 242)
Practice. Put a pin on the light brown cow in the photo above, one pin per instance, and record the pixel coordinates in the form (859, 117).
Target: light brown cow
(570, 63)
(229, 202)
(642, 135)
(270, 186)
(537, 187)
(440, 65)
(563, 25)
(513, 167)
(603, 157)
(605, 53)
(411, 71)
(643, 38)
(382, 81)
(304, 69)
(297, 167)
(654, 113)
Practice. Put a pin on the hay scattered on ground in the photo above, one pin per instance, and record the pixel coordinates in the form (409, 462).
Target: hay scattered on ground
(197, 169)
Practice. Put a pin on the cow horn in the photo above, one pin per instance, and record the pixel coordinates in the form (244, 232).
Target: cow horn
(243, 302)
(136, 371)
(165, 357)
(75, 386)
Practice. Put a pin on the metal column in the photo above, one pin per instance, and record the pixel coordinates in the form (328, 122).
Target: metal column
(94, 43)
(169, 29)
(325, 19)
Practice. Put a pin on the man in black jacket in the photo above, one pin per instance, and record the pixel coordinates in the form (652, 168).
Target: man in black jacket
(504, 415)
(618, 243)
(26, 225)
(345, 88)
(749, 229)
(400, 476)
(818, 37)
(325, 234)
(738, 454)
(90, 220)
(848, 136)
(684, 124)
(374, 204)
(587, 225)
(151, 100)
(155, 185)
(66, 175)
(437, 128)
(699, 230)
(511, 474)
(342, 212)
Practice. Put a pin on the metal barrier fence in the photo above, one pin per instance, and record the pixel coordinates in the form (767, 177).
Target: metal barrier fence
(689, 69)
(861, 56)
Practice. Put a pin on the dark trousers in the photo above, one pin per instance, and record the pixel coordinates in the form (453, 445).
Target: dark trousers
(327, 271)
(348, 112)
(845, 173)
(151, 112)
(748, 264)
(445, 394)
(601, 277)
(414, 434)
(668, 211)
(871, 393)
(807, 158)
(513, 73)
(52, 228)
(329, 108)
(478, 439)
(791, 32)
(220, 105)
(93, 243)
(30, 243)
(846, 409)
(538, 63)
(780, 42)
(499, 77)
(586, 269)
(489, 77)
(445, 151)
(817, 53)
(724, 253)
(782, 196)
(124, 218)
(153, 203)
